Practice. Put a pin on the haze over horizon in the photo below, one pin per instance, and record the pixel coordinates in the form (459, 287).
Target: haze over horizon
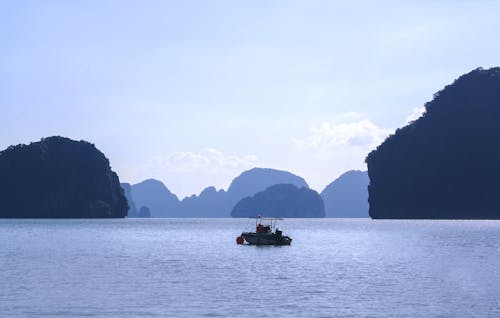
(193, 93)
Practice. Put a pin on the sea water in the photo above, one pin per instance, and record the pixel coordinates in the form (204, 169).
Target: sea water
(193, 268)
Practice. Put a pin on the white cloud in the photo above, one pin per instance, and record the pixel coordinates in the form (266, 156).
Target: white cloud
(187, 172)
(209, 158)
(334, 147)
(416, 113)
(338, 145)
(330, 148)
(361, 133)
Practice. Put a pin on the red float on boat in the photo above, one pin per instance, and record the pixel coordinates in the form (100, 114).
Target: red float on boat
(239, 240)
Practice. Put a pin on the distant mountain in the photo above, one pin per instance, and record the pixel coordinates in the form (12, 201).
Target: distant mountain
(444, 165)
(259, 179)
(127, 191)
(156, 196)
(282, 200)
(144, 212)
(212, 203)
(57, 177)
(347, 196)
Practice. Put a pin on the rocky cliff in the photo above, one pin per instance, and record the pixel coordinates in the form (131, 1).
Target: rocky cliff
(444, 165)
(59, 178)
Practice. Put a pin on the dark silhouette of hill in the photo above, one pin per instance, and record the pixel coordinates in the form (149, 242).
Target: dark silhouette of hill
(259, 179)
(127, 191)
(347, 196)
(444, 165)
(155, 195)
(212, 203)
(59, 178)
(144, 212)
(281, 200)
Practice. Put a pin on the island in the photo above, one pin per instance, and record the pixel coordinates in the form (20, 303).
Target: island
(347, 196)
(281, 200)
(446, 164)
(154, 195)
(57, 177)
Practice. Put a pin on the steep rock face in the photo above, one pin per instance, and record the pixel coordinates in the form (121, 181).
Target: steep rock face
(127, 191)
(156, 196)
(347, 196)
(445, 165)
(59, 178)
(281, 200)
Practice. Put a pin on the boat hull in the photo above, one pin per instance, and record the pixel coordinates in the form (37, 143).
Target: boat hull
(265, 239)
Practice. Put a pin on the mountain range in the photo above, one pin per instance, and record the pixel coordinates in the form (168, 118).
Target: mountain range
(219, 203)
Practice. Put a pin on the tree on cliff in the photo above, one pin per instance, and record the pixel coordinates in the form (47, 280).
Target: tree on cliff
(59, 178)
(446, 164)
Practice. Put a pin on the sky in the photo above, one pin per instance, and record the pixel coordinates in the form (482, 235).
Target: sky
(193, 93)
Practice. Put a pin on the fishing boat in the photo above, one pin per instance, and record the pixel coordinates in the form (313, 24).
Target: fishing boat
(266, 233)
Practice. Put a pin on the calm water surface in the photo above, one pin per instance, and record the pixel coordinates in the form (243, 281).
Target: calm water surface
(193, 268)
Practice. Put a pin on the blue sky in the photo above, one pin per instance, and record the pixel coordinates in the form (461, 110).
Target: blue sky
(194, 92)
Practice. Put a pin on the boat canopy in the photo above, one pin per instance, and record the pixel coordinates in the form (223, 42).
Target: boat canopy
(271, 222)
(263, 218)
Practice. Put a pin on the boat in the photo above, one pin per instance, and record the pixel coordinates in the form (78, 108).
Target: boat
(265, 233)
